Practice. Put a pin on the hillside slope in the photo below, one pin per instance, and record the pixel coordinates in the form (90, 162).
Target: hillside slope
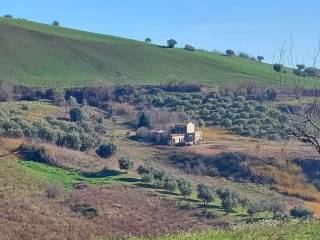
(39, 54)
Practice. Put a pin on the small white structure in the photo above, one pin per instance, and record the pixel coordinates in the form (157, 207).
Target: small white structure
(185, 134)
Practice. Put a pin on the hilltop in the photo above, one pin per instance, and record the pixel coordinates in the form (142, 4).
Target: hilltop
(44, 55)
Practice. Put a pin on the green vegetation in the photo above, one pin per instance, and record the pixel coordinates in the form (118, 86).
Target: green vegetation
(245, 116)
(261, 231)
(65, 57)
(67, 178)
(78, 135)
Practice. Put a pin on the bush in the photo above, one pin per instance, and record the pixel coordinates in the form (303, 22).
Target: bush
(85, 209)
(301, 212)
(189, 48)
(253, 209)
(8, 16)
(72, 140)
(77, 114)
(229, 203)
(125, 163)
(144, 121)
(229, 198)
(260, 58)
(55, 23)
(57, 95)
(185, 187)
(277, 67)
(276, 206)
(171, 43)
(301, 66)
(147, 177)
(170, 184)
(205, 193)
(47, 134)
(244, 55)
(53, 191)
(230, 52)
(106, 150)
(147, 40)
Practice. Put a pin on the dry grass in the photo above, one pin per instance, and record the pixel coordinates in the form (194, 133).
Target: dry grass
(124, 210)
(315, 207)
(216, 141)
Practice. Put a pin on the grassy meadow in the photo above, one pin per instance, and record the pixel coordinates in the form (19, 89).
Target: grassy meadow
(43, 55)
(261, 231)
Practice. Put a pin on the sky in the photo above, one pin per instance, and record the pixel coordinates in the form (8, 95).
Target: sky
(257, 27)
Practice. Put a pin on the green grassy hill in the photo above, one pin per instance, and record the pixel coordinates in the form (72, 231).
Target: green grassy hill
(39, 54)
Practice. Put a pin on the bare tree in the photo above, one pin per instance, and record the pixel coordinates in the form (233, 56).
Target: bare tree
(6, 90)
(300, 104)
(163, 119)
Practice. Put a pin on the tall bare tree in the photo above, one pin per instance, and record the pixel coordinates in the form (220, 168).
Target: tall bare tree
(299, 98)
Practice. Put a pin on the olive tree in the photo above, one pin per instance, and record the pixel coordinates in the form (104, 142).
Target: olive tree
(171, 43)
(105, 150)
(125, 163)
(260, 58)
(185, 187)
(147, 40)
(55, 23)
(205, 193)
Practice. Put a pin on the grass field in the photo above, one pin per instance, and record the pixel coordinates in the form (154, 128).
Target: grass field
(262, 231)
(43, 55)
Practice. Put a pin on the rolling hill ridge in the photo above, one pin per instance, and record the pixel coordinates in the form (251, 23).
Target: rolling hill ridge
(43, 55)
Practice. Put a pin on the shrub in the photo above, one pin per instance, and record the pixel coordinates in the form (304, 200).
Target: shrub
(312, 71)
(201, 123)
(72, 140)
(205, 193)
(301, 212)
(277, 67)
(47, 134)
(85, 209)
(77, 114)
(260, 58)
(8, 16)
(106, 150)
(125, 163)
(57, 95)
(72, 102)
(147, 177)
(53, 191)
(171, 43)
(15, 133)
(244, 55)
(185, 187)
(276, 206)
(189, 48)
(55, 23)
(170, 184)
(230, 52)
(253, 209)
(144, 121)
(87, 141)
(229, 203)
(227, 122)
(147, 40)
(301, 66)
(229, 198)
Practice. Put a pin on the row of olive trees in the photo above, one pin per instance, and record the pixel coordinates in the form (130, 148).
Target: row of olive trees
(171, 43)
(231, 52)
